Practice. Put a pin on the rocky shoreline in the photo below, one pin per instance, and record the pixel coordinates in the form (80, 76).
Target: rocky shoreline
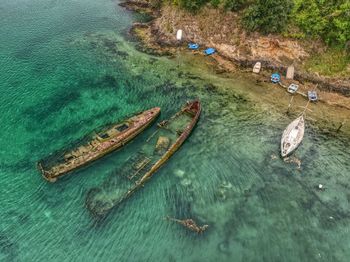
(158, 38)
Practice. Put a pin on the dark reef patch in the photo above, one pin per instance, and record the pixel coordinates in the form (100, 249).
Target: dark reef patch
(8, 249)
(73, 128)
(180, 205)
(52, 105)
(22, 165)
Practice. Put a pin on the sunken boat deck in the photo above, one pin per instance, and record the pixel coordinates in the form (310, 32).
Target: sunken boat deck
(101, 144)
(140, 167)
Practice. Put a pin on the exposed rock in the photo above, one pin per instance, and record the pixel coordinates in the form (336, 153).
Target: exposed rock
(210, 27)
(179, 173)
(141, 6)
(186, 182)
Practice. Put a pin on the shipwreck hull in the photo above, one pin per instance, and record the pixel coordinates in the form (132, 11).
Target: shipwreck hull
(96, 146)
(135, 172)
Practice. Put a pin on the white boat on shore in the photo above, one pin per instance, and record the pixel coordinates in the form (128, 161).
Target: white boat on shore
(257, 68)
(292, 88)
(292, 136)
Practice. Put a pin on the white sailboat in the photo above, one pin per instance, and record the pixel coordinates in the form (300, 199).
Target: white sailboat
(292, 136)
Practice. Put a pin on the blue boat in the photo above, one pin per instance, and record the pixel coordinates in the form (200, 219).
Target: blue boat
(193, 46)
(209, 51)
(312, 95)
(275, 78)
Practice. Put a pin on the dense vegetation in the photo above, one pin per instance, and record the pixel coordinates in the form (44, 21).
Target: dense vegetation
(328, 19)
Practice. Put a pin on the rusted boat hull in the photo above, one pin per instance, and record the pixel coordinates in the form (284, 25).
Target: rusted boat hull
(102, 147)
(101, 200)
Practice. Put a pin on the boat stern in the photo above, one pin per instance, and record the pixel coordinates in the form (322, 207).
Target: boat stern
(46, 175)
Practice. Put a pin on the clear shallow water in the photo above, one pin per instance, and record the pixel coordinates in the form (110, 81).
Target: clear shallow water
(66, 69)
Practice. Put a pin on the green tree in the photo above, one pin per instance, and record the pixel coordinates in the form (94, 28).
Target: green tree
(329, 19)
(309, 18)
(234, 5)
(338, 28)
(268, 16)
(192, 5)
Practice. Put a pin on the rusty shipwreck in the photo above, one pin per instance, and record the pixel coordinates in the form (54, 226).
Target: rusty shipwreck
(100, 144)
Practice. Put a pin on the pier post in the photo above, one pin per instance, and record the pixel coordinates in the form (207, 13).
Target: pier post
(290, 104)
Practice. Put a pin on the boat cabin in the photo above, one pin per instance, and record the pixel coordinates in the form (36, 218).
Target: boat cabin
(122, 127)
(115, 130)
(104, 136)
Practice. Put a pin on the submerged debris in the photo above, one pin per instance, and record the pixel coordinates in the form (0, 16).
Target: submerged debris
(190, 224)
(273, 157)
(294, 160)
(320, 187)
(224, 191)
(162, 145)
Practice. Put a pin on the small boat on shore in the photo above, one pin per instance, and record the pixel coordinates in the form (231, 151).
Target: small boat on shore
(210, 51)
(135, 172)
(193, 46)
(257, 68)
(275, 78)
(292, 136)
(312, 95)
(290, 72)
(101, 144)
(292, 88)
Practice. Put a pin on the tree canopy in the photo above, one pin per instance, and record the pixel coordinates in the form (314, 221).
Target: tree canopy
(329, 19)
(268, 16)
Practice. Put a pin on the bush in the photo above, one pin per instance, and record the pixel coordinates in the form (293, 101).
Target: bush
(192, 5)
(234, 5)
(268, 16)
(328, 19)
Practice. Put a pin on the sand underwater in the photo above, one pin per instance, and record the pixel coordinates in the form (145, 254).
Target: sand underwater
(68, 67)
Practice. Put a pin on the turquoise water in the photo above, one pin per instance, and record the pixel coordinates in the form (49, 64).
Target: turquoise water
(68, 67)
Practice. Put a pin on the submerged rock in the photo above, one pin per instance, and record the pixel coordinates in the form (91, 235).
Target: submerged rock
(8, 249)
(47, 214)
(95, 202)
(224, 247)
(186, 182)
(226, 184)
(179, 173)
(224, 190)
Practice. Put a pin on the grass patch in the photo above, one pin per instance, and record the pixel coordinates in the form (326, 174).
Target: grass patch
(334, 62)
